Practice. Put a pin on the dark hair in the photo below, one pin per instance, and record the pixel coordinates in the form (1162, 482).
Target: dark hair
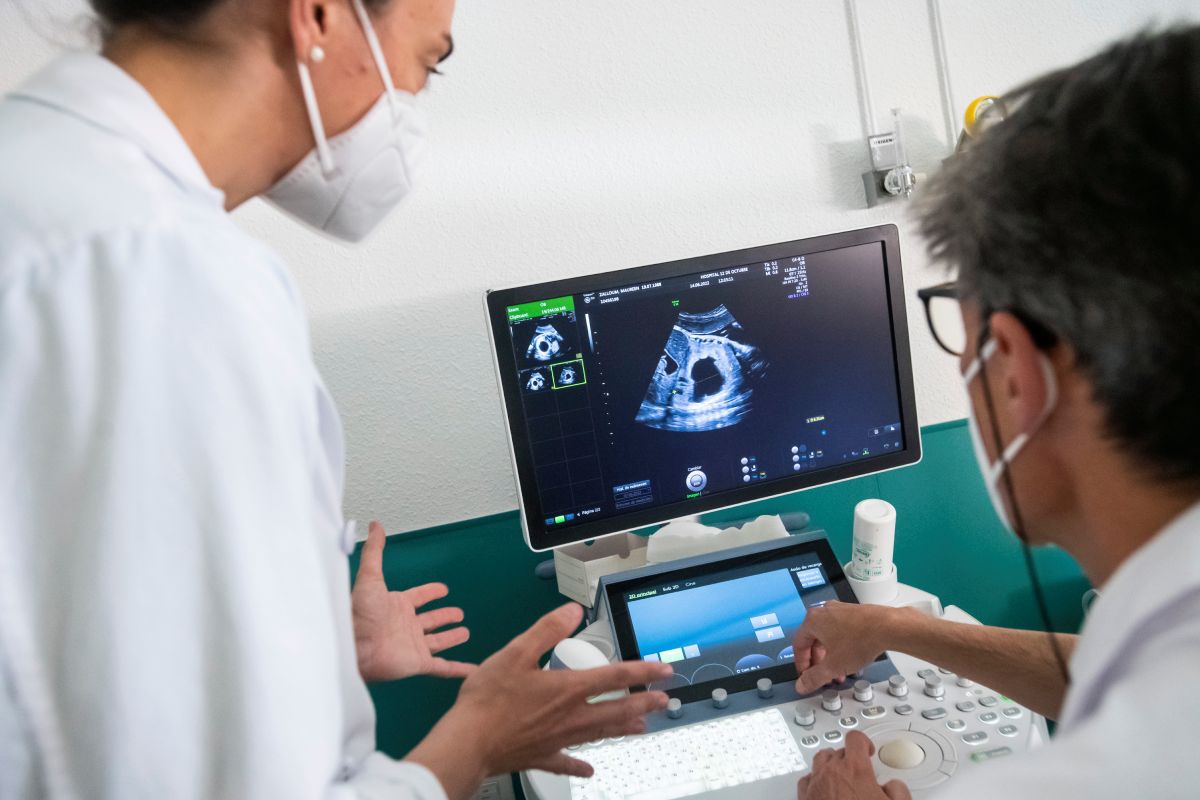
(171, 15)
(166, 15)
(1081, 211)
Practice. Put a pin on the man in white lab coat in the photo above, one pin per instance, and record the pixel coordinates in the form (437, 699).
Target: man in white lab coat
(175, 608)
(1073, 227)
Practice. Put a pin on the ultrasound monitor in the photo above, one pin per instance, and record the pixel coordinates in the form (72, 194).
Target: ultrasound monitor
(642, 395)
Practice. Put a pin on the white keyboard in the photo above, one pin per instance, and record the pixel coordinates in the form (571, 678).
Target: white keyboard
(689, 760)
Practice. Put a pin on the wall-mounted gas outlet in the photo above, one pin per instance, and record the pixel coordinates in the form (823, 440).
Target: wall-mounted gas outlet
(891, 175)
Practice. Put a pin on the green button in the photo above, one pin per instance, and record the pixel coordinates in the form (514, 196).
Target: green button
(560, 519)
(995, 752)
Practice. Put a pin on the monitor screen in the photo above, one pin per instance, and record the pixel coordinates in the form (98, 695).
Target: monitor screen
(725, 623)
(643, 395)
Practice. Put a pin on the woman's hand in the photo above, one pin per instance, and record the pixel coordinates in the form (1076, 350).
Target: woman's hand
(511, 715)
(392, 639)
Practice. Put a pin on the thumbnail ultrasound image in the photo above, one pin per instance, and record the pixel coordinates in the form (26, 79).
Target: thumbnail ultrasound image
(535, 380)
(547, 340)
(705, 378)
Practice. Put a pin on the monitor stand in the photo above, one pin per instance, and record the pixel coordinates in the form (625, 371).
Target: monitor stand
(580, 562)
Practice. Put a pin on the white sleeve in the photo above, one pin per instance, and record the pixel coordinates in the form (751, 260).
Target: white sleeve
(169, 626)
(1138, 742)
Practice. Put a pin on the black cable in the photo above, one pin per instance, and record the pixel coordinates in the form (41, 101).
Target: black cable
(1018, 522)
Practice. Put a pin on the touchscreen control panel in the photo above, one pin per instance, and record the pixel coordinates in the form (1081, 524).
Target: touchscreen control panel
(725, 624)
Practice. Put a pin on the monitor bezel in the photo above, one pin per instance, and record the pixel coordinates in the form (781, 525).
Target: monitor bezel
(496, 301)
(625, 638)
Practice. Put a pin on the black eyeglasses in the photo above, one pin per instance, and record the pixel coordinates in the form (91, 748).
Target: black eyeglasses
(944, 316)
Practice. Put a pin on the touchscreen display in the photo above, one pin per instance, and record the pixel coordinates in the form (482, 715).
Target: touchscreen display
(729, 623)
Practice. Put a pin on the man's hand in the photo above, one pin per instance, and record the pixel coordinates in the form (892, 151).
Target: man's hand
(847, 774)
(393, 640)
(837, 639)
(511, 715)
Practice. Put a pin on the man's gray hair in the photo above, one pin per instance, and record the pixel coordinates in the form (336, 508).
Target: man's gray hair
(1080, 213)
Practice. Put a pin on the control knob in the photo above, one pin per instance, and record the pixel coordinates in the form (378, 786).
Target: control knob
(805, 716)
(674, 708)
(765, 688)
(863, 691)
(720, 698)
(898, 686)
(831, 700)
(933, 686)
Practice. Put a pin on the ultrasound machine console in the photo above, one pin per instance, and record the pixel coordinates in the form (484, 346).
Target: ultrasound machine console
(640, 396)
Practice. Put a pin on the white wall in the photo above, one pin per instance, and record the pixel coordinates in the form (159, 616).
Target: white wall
(577, 137)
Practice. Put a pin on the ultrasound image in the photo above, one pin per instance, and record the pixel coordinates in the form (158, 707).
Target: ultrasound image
(706, 376)
(546, 343)
(535, 380)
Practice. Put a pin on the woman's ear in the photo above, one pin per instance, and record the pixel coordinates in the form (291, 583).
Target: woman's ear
(1018, 373)
(306, 19)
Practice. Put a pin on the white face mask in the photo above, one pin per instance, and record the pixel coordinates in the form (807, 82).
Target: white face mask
(348, 184)
(993, 471)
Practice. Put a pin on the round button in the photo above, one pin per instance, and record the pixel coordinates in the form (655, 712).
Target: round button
(989, 717)
(965, 683)
(863, 691)
(848, 722)
(833, 736)
(956, 724)
(765, 687)
(697, 480)
(1008, 730)
(804, 715)
(674, 708)
(897, 686)
(831, 700)
(904, 709)
(720, 698)
(901, 753)
(1012, 712)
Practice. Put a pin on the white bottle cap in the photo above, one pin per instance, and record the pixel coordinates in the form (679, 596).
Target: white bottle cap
(874, 540)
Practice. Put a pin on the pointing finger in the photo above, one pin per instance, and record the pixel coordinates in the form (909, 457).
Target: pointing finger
(859, 746)
(563, 764)
(548, 631)
(814, 678)
(623, 675)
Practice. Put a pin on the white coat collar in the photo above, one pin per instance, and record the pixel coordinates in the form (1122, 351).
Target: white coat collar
(98, 91)
(1159, 573)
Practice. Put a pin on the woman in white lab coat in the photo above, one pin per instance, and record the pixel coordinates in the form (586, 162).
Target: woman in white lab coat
(175, 614)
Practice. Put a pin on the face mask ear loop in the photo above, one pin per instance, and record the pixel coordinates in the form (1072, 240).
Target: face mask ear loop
(324, 156)
(377, 53)
(1018, 523)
